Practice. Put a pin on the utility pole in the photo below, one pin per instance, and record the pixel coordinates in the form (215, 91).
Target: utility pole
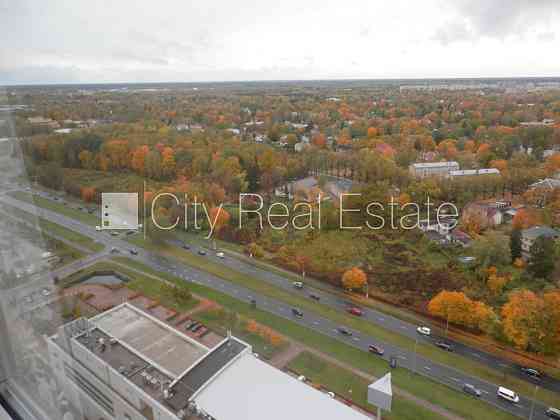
(533, 402)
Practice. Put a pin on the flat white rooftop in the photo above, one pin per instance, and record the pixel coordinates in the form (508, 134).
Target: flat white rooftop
(250, 389)
(158, 343)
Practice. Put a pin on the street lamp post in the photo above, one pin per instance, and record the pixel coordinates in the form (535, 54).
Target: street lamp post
(533, 402)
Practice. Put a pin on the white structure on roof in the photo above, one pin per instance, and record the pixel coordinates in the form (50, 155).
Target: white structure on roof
(251, 389)
(441, 169)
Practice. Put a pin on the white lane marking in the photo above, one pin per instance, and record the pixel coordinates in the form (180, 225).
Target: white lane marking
(454, 379)
(427, 368)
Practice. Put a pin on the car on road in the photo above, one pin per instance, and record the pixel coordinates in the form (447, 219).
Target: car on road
(424, 330)
(471, 390)
(508, 395)
(553, 413)
(201, 252)
(372, 348)
(331, 394)
(220, 255)
(298, 284)
(355, 311)
(315, 297)
(532, 373)
(134, 252)
(301, 378)
(393, 362)
(344, 331)
(297, 312)
(97, 227)
(113, 233)
(444, 346)
(186, 246)
(115, 250)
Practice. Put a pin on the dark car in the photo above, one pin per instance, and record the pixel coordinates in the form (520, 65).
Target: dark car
(201, 252)
(376, 349)
(297, 312)
(315, 297)
(186, 246)
(553, 413)
(532, 373)
(444, 346)
(193, 326)
(471, 390)
(189, 324)
(197, 327)
(134, 252)
(393, 362)
(344, 331)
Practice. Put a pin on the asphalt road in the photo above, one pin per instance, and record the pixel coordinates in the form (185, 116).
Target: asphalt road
(441, 373)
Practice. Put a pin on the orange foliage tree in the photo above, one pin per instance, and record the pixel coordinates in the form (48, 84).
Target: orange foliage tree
(354, 279)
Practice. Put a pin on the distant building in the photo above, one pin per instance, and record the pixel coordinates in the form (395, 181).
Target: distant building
(546, 184)
(439, 169)
(473, 172)
(125, 364)
(43, 122)
(529, 236)
(490, 214)
(308, 188)
(547, 122)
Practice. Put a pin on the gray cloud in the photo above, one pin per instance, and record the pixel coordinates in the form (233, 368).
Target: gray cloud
(495, 19)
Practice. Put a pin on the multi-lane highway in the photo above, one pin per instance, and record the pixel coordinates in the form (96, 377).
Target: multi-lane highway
(311, 320)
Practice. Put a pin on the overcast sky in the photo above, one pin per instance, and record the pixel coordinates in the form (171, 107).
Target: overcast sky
(69, 41)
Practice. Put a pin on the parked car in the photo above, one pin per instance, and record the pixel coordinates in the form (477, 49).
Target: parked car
(315, 297)
(201, 252)
(471, 390)
(189, 324)
(97, 227)
(220, 255)
(197, 328)
(298, 284)
(532, 373)
(344, 331)
(444, 346)
(508, 395)
(424, 331)
(297, 312)
(193, 326)
(355, 311)
(553, 413)
(376, 349)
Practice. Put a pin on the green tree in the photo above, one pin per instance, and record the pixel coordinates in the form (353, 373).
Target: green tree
(515, 244)
(492, 249)
(542, 258)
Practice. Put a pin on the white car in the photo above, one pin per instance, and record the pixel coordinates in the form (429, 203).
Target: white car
(302, 378)
(331, 394)
(220, 255)
(508, 395)
(97, 227)
(424, 330)
(298, 284)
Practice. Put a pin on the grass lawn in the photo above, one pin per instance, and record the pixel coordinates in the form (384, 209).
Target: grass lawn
(222, 320)
(422, 387)
(90, 219)
(429, 351)
(55, 229)
(65, 252)
(353, 387)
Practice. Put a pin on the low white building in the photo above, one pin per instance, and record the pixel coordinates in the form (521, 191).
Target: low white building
(474, 172)
(427, 169)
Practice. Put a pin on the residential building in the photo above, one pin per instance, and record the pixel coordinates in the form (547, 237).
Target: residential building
(43, 122)
(489, 213)
(126, 364)
(547, 184)
(439, 169)
(308, 188)
(529, 236)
